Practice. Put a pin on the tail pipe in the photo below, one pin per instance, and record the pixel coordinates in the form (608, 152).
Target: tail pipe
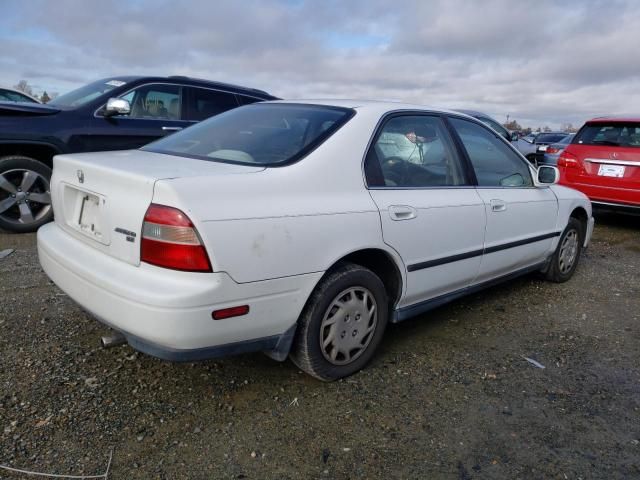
(112, 340)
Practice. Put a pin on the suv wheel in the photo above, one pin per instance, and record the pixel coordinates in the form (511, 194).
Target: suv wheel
(25, 197)
(565, 258)
(342, 324)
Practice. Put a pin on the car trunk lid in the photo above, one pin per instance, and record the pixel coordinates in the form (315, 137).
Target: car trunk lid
(101, 198)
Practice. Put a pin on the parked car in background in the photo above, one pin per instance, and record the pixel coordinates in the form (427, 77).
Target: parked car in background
(548, 154)
(529, 145)
(603, 162)
(262, 229)
(11, 95)
(487, 120)
(116, 113)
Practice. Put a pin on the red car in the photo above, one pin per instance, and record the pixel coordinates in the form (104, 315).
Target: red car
(603, 162)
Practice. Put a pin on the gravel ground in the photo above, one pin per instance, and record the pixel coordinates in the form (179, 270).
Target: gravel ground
(448, 396)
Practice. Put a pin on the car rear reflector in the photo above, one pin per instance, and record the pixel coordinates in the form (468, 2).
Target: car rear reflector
(230, 312)
(170, 240)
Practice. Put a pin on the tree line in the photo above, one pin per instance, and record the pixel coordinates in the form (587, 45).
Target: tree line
(24, 87)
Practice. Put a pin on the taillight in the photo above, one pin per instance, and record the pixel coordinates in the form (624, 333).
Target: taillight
(551, 149)
(567, 160)
(170, 240)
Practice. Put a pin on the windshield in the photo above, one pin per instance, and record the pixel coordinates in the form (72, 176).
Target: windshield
(83, 95)
(268, 134)
(614, 134)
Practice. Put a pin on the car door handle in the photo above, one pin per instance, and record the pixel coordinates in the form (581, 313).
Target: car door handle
(171, 129)
(402, 212)
(498, 205)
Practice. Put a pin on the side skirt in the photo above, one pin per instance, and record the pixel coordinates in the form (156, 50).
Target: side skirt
(410, 311)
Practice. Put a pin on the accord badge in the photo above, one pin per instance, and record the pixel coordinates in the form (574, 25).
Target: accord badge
(80, 176)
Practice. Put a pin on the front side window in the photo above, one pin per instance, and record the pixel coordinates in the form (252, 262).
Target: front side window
(612, 134)
(495, 164)
(413, 151)
(161, 102)
(205, 103)
(269, 134)
(496, 126)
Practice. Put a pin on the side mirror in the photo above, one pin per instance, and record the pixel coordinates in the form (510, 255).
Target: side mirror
(514, 136)
(117, 106)
(548, 175)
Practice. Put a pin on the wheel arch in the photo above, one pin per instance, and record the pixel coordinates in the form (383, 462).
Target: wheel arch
(40, 151)
(383, 264)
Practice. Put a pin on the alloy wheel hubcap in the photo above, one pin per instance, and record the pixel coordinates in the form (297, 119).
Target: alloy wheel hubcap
(568, 251)
(348, 325)
(25, 196)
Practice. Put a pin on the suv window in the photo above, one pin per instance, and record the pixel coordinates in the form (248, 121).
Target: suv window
(615, 134)
(155, 102)
(205, 103)
(244, 100)
(495, 164)
(413, 151)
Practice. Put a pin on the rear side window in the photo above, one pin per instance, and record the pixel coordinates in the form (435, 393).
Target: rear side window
(612, 134)
(269, 134)
(413, 151)
(205, 103)
(495, 164)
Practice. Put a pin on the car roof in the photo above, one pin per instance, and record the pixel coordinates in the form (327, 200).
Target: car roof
(196, 82)
(614, 118)
(373, 106)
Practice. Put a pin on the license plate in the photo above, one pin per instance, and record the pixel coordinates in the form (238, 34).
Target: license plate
(616, 171)
(89, 217)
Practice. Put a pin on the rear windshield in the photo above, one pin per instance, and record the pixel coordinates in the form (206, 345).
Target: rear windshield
(269, 134)
(614, 134)
(550, 137)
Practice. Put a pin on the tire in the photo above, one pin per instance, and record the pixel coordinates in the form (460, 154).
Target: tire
(25, 197)
(351, 346)
(565, 259)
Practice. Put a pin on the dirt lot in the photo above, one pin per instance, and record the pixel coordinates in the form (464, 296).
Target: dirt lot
(448, 396)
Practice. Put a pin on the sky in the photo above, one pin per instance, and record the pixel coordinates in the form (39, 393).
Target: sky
(539, 62)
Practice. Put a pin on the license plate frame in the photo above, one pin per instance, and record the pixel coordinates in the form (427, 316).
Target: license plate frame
(614, 171)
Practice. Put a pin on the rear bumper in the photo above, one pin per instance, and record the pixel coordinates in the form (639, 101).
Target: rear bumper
(612, 196)
(167, 313)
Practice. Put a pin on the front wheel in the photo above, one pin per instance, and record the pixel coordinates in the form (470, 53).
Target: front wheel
(342, 323)
(565, 258)
(25, 197)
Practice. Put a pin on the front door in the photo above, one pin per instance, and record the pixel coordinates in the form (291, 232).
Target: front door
(430, 213)
(156, 111)
(521, 218)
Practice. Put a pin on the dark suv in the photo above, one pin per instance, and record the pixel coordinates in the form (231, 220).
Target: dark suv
(116, 113)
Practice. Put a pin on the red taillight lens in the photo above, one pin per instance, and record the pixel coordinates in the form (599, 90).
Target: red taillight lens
(552, 149)
(567, 160)
(170, 240)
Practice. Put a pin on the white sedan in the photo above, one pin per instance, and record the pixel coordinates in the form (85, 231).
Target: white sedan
(302, 229)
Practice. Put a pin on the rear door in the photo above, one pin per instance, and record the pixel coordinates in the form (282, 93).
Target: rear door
(430, 213)
(156, 110)
(608, 156)
(521, 218)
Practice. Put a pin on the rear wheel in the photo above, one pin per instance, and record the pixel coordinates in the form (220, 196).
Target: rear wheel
(342, 324)
(25, 197)
(567, 254)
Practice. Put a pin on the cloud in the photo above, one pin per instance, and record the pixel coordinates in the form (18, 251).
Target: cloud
(547, 62)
